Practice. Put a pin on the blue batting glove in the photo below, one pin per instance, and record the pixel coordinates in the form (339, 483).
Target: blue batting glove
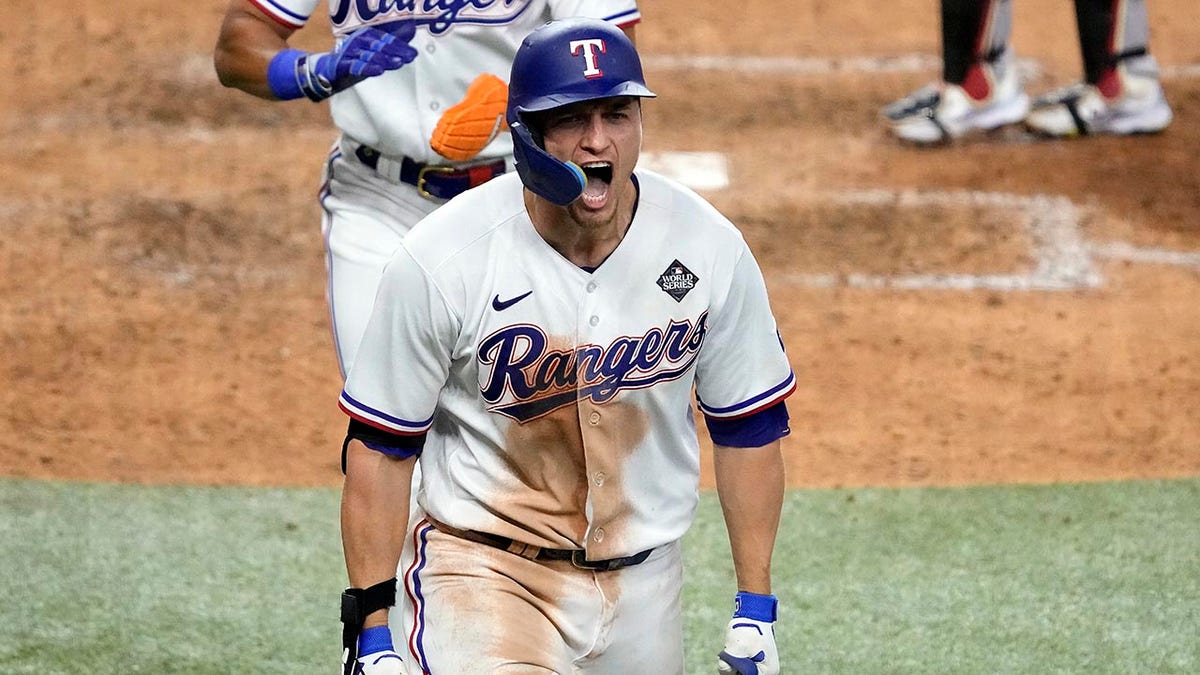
(367, 52)
(750, 638)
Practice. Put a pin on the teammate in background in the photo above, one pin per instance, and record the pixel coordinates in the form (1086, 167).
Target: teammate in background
(980, 89)
(536, 342)
(417, 93)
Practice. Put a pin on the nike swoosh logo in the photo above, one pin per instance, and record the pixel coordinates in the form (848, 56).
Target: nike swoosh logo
(501, 305)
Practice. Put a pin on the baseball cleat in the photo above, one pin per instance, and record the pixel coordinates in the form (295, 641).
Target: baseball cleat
(941, 113)
(1082, 109)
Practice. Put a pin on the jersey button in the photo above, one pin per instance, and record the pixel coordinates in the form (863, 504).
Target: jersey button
(598, 535)
(594, 419)
(434, 106)
(594, 320)
(431, 48)
(591, 287)
(599, 478)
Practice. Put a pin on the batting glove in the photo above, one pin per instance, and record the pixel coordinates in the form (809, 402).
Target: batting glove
(376, 656)
(750, 639)
(367, 52)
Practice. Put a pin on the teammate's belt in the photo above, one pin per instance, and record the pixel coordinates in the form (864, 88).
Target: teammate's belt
(578, 557)
(431, 181)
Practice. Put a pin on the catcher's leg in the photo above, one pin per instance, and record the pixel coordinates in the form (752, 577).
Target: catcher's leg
(974, 33)
(1121, 93)
(980, 89)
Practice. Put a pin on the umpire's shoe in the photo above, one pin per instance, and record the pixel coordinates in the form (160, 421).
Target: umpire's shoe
(991, 97)
(1136, 105)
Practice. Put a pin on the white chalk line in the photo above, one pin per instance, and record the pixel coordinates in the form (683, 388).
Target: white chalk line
(1030, 69)
(1062, 260)
(1119, 250)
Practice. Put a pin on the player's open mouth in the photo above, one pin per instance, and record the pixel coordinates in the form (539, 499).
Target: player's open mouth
(600, 170)
(599, 178)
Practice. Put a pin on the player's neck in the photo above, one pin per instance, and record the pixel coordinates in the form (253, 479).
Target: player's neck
(585, 239)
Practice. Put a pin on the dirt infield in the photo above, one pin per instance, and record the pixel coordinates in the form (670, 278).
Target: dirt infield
(1003, 310)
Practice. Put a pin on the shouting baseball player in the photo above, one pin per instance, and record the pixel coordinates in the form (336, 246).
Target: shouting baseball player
(536, 341)
(417, 91)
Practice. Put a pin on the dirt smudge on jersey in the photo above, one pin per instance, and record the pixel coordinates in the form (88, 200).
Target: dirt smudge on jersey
(550, 458)
(546, 455)
(612, 433)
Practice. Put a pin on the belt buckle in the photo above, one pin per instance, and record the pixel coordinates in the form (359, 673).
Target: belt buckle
(421, 179)
(579, 560)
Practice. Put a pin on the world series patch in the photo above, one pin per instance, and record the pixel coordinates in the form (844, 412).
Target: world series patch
(677, 280)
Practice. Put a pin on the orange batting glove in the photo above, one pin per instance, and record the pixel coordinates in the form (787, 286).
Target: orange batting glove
(468, 126)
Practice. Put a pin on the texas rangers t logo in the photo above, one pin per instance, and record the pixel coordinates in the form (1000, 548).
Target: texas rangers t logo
(589, 47)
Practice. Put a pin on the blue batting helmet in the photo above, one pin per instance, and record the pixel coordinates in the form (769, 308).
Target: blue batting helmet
(561, 63)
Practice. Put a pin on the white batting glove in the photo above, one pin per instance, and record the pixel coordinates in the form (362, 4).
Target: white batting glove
(380, 663)
(750, 639)
(380, 657)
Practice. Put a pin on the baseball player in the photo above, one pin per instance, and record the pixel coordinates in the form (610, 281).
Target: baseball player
(417, 91)
(981, 90)
(536, 341)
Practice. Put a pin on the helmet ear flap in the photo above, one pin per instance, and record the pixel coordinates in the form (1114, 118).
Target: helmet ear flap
(554, 180)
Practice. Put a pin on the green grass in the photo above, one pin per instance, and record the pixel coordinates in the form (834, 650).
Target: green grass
(1096, 578)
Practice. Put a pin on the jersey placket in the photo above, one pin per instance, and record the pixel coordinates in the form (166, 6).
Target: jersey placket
(593, 428)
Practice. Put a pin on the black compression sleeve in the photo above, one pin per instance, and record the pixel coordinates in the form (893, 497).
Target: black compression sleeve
(391, 444)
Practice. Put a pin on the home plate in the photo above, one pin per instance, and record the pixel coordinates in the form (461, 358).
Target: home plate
(697, 170)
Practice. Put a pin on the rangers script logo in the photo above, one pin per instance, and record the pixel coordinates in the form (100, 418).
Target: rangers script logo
(525, 380)
(438, 16)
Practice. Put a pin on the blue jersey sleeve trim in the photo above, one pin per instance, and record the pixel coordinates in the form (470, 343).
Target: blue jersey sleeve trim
(626, 18)
(280, 13)
(745, 407)
(752, 431)
(381, 419)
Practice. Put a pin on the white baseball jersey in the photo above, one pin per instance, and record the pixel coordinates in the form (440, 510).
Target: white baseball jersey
(397, 112)
(558, 401)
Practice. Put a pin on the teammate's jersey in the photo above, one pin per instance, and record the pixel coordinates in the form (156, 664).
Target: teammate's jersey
(557, 401)
(457, 40)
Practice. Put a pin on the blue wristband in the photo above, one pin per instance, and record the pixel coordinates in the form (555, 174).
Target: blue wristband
(755, 606)
(375, 639)
(281, 74)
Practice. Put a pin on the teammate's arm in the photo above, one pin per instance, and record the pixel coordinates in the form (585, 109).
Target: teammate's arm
(251, 55)
(245, 46)
(375, 500)
(750, 483)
